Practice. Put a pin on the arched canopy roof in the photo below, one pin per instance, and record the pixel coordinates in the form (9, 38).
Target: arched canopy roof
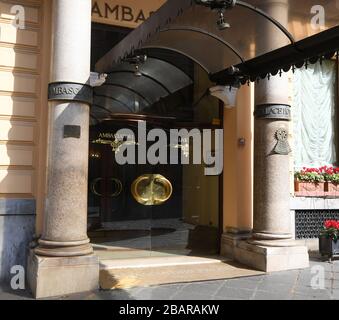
(189, 27)
(263, 37)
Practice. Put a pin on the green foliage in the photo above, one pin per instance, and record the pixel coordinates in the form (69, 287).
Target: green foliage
(331, 233)
(309, 177)
(334, 178)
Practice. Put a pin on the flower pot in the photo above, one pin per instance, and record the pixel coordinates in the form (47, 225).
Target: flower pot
(309, 189)
(328, 247)
(332, 189)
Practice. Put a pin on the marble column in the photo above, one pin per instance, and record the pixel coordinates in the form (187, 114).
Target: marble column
(271, 247)
(65, 226)
(271, 165)
(72, 266)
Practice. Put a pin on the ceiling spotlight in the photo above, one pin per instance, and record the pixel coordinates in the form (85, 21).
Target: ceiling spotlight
(137, 72)
(221, 22)
(137, 61)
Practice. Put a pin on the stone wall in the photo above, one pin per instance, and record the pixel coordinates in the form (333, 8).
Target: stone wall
(17, 223)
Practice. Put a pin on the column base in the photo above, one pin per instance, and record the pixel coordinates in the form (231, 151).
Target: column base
(229, 241)
(56, 276)
(63, 251)
(270, 258)
(271, 236)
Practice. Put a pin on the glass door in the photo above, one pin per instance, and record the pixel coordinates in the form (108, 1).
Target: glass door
(149, 210)
(119, 227)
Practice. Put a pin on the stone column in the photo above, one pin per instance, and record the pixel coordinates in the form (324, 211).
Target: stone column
(64, 231)
(271, 247)
(65, 222)
(271, 165)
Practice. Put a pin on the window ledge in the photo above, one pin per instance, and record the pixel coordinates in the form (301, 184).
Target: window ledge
(314, 203)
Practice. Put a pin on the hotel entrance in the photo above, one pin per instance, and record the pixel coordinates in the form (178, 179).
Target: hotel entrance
(148, 210)
(143, 210)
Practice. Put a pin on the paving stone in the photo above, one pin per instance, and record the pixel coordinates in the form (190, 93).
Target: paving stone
(309, 292)
(281, 280)
(238, 293)
(289, 274)
(303, 297)
(226, 298)
(156, 293)
(305, 277)
(241, 283)
(203, 288)
(335, 284)
(270, 286)
(254, 278)
(266, 295)
(335, 294)
(103, 295)
(190, 296)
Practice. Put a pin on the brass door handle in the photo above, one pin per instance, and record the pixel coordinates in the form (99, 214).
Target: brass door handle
(151, 189)
(93, 185)
(118, 184)
(119, 187)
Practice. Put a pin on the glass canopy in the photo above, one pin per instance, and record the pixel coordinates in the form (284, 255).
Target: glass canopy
(128, 90)
(256, 27)
(215, 34)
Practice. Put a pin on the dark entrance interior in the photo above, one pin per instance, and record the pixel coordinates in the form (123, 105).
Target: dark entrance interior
(120, 225)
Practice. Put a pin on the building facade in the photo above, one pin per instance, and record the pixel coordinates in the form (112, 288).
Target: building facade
(61, 191)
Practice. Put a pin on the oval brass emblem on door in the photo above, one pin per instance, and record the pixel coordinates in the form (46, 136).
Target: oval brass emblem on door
(151, 189)
(117, 189)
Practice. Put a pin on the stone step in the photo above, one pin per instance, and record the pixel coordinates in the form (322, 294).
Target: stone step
(128, 273)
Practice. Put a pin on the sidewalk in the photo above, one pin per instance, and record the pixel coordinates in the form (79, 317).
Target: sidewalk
(288, 285)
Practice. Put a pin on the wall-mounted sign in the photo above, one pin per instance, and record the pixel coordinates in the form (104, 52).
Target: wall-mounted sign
(124, 13)
(69, 91)
(71, 131)
(273, 111)
(114, 140)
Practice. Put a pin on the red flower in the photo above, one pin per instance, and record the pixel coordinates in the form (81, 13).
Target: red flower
(328, 224)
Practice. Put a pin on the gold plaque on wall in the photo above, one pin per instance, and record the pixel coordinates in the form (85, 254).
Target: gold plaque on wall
(151, 189)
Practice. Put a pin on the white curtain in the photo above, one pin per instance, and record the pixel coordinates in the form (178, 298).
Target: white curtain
(313, 113)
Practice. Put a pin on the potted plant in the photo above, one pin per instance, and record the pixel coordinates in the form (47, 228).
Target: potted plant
(309, 181)
(328, 239)
(331, 177)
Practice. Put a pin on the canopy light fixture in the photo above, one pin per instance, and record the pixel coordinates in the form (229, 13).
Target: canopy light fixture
(221, 23)
(137, 72)
(221, 6)
(227, 94)
(137, 61)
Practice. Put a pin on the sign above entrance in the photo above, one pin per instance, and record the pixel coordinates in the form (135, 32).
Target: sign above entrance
(70, 91)
(124, 13)
(273, 111)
